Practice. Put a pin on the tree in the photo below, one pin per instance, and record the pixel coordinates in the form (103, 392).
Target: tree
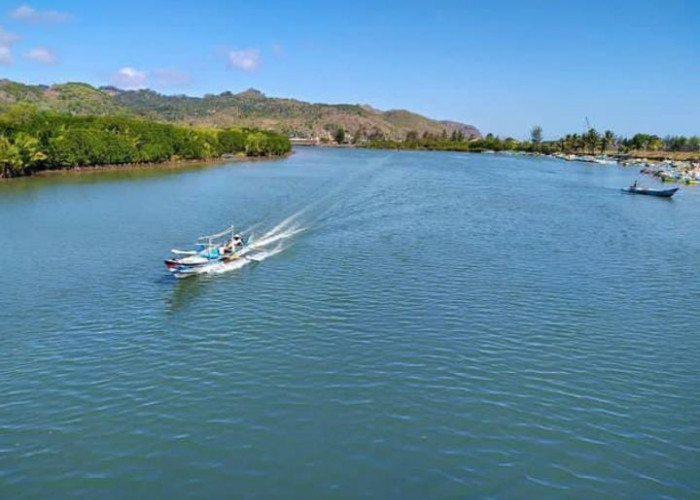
(254, 144)
(411, 135)
(359, 136)
(339, 135)
(655, 143)
(231, 141)
(639, 141)
(536, 134)
(694, 143)
(591, 139)
(607, 140)
(457, 136)
(10, 160)
(509, 143)
(28, 149)
(31, 140)
(576, 142)
(676, 143)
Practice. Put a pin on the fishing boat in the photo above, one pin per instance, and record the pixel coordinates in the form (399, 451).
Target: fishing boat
(209, 251)
(663, 193)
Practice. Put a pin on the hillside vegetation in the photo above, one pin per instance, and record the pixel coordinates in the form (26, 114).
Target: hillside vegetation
(249, 109)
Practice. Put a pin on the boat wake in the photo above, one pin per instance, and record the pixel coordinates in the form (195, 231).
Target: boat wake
(269, 244)
(328, 208)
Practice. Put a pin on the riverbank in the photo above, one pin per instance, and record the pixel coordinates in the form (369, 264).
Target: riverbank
(153, 166)
(669, 166)
(667, 170)
(465, 147)
(169, 165)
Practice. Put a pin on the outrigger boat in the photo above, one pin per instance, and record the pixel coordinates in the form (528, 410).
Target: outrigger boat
(663, 193)
(209, 251)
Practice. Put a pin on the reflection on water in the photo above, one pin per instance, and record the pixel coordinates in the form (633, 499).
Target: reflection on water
(184, 292)
(24, 185)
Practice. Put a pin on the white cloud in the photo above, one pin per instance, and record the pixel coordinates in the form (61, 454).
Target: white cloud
(129, 78)
(244, 59)
(7, 38)
(6, 41)
(29, 14)
(5, 56)
(41, 55)
(171, 78)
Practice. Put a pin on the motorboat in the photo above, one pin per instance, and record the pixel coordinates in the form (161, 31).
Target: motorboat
(211, 250)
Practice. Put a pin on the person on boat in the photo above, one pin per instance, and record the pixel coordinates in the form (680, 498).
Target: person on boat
(233, 244)
(634, 185)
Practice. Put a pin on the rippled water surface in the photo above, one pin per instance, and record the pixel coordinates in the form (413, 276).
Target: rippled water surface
(431, 325)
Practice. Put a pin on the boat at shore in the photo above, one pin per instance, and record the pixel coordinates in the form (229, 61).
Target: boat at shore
(662, 193)
(209, 251)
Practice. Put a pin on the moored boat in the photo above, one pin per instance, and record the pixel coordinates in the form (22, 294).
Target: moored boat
(663, 193)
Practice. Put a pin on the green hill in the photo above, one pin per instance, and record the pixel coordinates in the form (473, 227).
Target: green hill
(250, 108)
(72, 98)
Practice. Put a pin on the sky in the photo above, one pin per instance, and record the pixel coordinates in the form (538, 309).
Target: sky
(503, 66)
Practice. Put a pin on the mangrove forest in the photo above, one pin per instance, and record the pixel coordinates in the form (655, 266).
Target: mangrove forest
(32, 141)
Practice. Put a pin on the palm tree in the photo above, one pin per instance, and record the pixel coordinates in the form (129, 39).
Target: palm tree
(574, 142)
(10, 158)
(591, 138)
(607, 140)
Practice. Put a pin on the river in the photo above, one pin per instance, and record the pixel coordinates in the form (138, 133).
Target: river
(424, 326)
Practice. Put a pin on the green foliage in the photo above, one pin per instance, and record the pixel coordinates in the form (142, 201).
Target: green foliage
(591, 138)
(606, 140)
(591, 141)
(10, 158)
(32, 140)
(339, 135)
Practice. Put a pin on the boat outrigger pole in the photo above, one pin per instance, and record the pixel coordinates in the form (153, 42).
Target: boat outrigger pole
(218, 235)
(210, 239)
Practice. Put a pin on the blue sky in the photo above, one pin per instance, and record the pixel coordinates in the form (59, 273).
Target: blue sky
(503, 66)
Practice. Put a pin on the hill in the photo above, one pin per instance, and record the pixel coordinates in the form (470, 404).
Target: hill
(250, 108)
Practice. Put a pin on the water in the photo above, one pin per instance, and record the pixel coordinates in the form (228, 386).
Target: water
(438, 326)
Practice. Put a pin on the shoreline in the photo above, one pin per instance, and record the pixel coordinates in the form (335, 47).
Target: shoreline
(125, 167)
(667, 166)
(657, 156)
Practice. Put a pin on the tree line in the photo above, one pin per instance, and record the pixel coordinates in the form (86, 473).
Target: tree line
(31, 141)
(591, 142)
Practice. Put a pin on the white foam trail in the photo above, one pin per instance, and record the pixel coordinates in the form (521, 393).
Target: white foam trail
(258, 256)
(261, 255)
(226, 267)
(272, 237)
(259, 250)
(286, 222)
